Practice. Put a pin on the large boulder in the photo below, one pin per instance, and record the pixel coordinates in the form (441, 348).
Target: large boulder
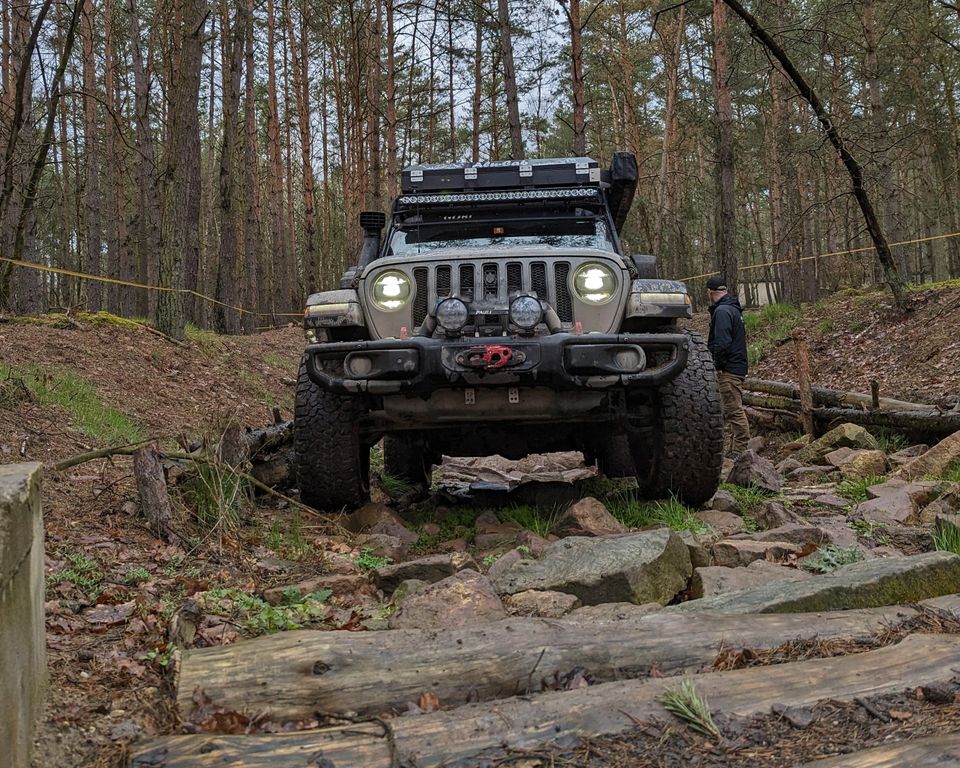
(751, 470)
(460, 600)
(718, 580)
(935, 461)
(863, 464)
(651, 566)
(588, 517)
(843, 436)
(431, 568)
(867, 584)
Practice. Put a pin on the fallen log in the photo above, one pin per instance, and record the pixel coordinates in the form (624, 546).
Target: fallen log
(293, 674)
(442, 738)
(905, 421)
(833, 398)
(269, 439)
(929, 752)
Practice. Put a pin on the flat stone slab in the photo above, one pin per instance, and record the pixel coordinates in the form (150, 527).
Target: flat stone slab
(867, 584)
(431, 568)
(651, 566)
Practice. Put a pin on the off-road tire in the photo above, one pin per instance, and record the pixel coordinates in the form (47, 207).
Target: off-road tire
(333, 463)
(408, 460)
(688, 455)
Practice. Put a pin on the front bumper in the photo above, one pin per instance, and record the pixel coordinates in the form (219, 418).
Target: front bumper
(419, 365)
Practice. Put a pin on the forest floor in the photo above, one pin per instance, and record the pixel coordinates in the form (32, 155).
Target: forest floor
(69, 386)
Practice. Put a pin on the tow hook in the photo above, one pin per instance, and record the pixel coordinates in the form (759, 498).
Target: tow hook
(490, 357)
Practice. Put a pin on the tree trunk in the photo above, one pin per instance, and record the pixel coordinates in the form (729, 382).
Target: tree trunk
(509, 79)
(91, 150)
(284, 269)
(477, 98)
(726, 199)
(393, 172)
(257, 292)
(576, 78)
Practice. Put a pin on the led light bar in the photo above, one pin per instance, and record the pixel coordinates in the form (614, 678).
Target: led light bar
(494, 197)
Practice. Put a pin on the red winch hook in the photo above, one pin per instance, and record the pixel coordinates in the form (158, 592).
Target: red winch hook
(496, 356)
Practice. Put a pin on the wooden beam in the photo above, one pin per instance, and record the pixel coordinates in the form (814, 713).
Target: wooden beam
(929, 752)
(442, 738)
(291, 675)
(834, 398)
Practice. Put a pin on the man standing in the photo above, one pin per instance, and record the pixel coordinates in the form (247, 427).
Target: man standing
(728, 345)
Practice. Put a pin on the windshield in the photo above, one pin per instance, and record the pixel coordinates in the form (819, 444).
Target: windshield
(567, 232)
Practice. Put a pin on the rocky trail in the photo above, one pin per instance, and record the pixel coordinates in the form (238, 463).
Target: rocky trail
(524, 613)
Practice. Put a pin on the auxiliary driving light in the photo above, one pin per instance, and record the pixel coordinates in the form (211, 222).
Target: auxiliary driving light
(526, 312)
(595, 283)
(452, 314)
(391, 290)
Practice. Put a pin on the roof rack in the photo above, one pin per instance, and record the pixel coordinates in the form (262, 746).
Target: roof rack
(503, 175)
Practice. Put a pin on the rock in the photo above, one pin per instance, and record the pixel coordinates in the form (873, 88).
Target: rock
(867, 584)
(611, 612)
(699, 555)
(839, 457)
(935, 461)
(863, 464)
(487, 522)
(907, 455)
(845, 435)
(940, 692)
(886, 552)
(406, 588)
(756, 443)
(342, 584)
(794, 533)
(736, 552)
(503, 564)
(773, 514)
(532, 541)
(588, 517)
(453, 545)
(753, 470)
(787, 466)
(430, 529)
(547, 605)
(379, 518)
(724, 523)
(384, 545)
(837, 531)
(800, 442)
(335, 562)
(460, 600)
(895, 500)
(799, 717)
(717, 580)
(831, 500)
(813, 474)
(497, 540)
(650, 566)
(430, 569)
(724, 501)
(947, 503)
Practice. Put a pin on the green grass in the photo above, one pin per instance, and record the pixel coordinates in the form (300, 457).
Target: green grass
(541, 520)
(831, 557)
(889, 440)
(768, 327)
(206, 341)
(749, 499)
(215, 496)
(83, 572)
(255, 616)
(135, 576)
(873, 530)
(395, 487)
(946, 538)
(684, 702)
(856, 490)
(635, 513)
(825, 326)
(89, 415)
(288, 541)
(951, 474)
(368, 561)
(276, 361)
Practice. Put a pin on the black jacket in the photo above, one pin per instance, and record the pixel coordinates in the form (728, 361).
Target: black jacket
(728, 338)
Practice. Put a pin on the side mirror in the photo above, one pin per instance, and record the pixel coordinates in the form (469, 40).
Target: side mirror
(373, 222)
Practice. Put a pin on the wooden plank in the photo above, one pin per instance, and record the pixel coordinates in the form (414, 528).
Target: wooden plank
(291, 675)
(609, 708)
(929, 752)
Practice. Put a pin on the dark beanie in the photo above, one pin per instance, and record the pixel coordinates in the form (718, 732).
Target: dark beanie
(716, 284)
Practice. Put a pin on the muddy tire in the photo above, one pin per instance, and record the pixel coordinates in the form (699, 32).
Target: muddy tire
(688, 452)
(408, 460)
(333, 463)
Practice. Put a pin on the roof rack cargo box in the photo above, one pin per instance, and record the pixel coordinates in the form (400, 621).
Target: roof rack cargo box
(502, 174)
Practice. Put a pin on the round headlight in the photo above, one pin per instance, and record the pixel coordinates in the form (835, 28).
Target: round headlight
(525, 312)
(595, 283)
(391, 290)
(452, 314)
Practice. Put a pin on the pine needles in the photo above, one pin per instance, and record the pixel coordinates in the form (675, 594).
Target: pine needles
(684, 702)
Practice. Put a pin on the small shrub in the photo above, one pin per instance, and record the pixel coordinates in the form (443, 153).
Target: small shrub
(889, 440)
(255, 616)
(368, 560)
(684, 702)
(831, 557)
(136, 576)
(856, 490)
(952, 473)
(489, 560)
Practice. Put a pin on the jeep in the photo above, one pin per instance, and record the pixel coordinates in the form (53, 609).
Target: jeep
(500, 315)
